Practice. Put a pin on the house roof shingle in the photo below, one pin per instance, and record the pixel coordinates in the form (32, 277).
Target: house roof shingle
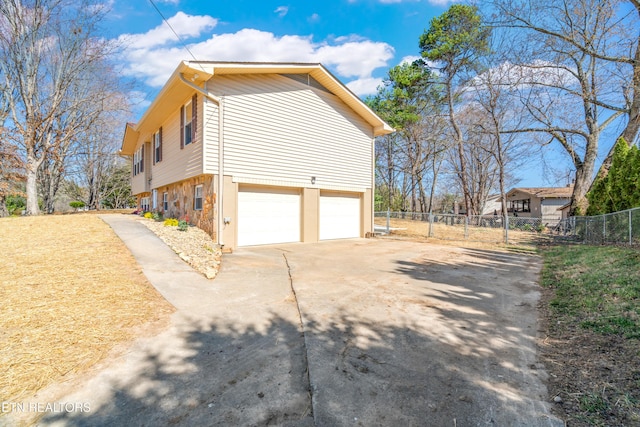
(547, 192)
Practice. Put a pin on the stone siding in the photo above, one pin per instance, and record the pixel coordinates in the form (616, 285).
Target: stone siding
(181, 202)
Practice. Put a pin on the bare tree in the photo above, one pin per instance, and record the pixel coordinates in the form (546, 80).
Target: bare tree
(491, 91)
(49, 50)
(569, 87)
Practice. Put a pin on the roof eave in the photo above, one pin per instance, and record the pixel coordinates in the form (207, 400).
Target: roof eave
(129, 140)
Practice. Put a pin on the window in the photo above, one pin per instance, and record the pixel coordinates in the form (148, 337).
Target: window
(135, 163)
(520, 205)
(197, 200)
(141, 158)
(188, 115)
(138, 161)
(144, 204)
(165, 202)
(157, 146)
(188, 122)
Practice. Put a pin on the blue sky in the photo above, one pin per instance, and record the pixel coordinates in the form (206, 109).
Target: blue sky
(357, 40)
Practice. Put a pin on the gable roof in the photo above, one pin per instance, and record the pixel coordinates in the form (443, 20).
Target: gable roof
(198, 72)
(546, 192)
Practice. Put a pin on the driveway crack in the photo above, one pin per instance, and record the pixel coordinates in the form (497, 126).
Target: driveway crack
(304, 343)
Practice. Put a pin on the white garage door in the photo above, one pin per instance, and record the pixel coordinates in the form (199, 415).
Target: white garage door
(339, 216)
(268, 216)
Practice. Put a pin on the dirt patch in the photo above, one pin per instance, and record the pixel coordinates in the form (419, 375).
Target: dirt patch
(593, 379)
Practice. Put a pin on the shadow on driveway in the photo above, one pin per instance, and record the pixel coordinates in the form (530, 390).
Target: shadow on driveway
(394, 333)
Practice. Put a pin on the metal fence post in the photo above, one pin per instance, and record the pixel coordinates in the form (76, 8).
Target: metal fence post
(430, 224)
(630, 230)
(506, 229)
(388, 220)
(466, 228)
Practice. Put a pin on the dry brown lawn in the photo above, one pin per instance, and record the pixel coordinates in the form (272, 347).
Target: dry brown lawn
(70, 292)
(476, 237)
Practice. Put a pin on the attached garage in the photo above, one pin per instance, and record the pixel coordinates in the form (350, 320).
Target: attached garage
(339, 216)
(268, 215)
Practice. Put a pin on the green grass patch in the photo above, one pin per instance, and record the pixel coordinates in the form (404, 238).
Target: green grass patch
(597, 286)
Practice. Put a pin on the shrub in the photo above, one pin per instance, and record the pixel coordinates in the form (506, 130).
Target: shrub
(148, 215)
(76, 204)
(183, 225)
(170, 222)
(157, 216)
(15, 204)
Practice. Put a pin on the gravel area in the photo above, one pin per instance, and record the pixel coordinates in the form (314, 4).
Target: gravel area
(194, 246)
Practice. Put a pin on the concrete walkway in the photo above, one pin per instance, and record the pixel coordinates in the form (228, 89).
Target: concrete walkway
(395, 333)
(233, 354)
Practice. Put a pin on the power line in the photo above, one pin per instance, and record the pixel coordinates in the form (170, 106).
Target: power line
(174, 31)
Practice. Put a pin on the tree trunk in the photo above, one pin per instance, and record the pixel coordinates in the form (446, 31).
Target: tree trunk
(32, 185)
(584, 178)
(459, 141)
(3, 208)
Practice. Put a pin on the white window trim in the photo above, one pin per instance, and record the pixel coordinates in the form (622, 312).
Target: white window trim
(156, 147)
(144, 204)
(187, 123)
(165, 201)
(154, 199)
(196, 198)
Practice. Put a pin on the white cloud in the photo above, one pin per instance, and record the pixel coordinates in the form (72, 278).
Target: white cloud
(184, 25)
(524, 75)
(154, 55)
(442, 2)
(281, 11)
(365, 86)
(313, 18)
(409, 59)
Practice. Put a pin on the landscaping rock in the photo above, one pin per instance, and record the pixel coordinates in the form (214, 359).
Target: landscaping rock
(194, 247)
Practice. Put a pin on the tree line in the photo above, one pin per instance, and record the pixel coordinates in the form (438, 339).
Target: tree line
(499, 83)
(61, 101)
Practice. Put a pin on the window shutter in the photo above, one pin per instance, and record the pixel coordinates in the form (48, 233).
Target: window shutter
(142, 158)
(153, 150)
(194, 117)
(182, 127)
(160, 138)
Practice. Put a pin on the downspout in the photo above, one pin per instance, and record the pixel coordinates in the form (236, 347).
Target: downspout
(220, 103)
(373, 186)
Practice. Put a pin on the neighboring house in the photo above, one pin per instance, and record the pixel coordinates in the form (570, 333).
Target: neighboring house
(293, 145)
(540, 202)
(564, 210)
(492, 205)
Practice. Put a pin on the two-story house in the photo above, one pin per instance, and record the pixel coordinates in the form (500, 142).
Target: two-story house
(257, 153)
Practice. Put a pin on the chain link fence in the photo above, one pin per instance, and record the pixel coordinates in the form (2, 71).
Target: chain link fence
(479, 228)
(621, 228)
(616, 228)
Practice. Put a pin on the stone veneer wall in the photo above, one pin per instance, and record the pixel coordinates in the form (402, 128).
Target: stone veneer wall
(181, 202)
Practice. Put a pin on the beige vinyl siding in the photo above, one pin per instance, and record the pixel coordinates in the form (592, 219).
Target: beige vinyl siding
(277, 129)
(137, 182)
(209, 124)
(178, 164)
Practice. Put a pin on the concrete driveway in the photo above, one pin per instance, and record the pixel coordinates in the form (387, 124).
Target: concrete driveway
(356, 332)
